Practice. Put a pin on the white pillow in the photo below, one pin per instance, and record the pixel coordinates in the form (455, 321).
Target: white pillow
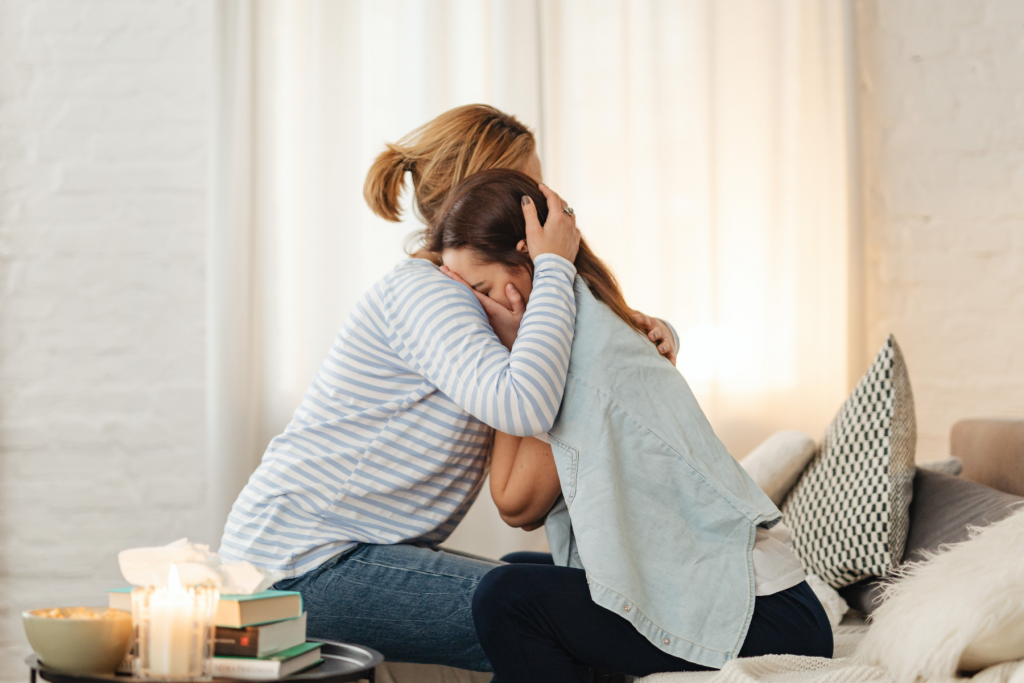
(778, 462)
(962, 609)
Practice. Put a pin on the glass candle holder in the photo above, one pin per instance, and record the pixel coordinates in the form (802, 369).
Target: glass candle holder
(174, 630)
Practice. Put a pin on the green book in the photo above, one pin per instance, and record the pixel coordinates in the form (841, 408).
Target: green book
(235, 611)
(269, 667)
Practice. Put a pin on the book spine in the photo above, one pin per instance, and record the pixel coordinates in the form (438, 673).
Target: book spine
(253, 669)
(229, 642)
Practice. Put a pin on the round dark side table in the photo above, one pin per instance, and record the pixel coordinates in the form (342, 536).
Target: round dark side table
(342, 663)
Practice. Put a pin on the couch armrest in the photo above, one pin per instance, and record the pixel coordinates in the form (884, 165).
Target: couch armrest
(992, 451)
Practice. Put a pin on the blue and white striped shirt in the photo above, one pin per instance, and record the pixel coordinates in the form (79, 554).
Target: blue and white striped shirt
(390, 443)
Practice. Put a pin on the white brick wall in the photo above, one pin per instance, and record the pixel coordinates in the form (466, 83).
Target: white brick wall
(104, 120)
(943, 152)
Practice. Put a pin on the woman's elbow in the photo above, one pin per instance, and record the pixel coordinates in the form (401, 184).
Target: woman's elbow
(541, 424)
(514, 521)
(546, 422)
(511, 512)
(540, 416)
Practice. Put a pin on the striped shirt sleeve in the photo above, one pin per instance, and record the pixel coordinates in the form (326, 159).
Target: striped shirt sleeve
(440, 329)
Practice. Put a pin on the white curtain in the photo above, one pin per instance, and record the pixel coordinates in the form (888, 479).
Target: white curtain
(703, 144)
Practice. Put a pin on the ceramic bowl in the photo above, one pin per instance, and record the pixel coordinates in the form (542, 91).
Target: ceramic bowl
(79, 645)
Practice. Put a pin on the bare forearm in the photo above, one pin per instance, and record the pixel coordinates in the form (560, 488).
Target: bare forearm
(524, 481)
(503, 459)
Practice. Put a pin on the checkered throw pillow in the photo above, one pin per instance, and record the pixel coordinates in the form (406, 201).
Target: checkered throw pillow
(849, 512)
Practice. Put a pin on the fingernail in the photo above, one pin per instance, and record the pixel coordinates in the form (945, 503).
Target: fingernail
(526, 200)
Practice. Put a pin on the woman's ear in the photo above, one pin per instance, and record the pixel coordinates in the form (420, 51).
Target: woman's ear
(522, 248)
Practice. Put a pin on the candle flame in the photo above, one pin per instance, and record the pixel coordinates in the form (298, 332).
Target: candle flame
(173, 581)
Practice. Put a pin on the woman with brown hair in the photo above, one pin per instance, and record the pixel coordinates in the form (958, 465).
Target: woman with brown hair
(389, 447)
(673, 560)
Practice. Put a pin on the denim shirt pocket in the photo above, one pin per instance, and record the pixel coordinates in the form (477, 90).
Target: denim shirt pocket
(569, 459)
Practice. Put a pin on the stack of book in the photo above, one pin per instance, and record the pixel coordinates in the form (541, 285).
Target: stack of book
(259, 637)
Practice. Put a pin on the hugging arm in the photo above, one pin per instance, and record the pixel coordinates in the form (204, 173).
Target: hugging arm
(524, 481)
(661, 333)
(442, 332)
(441, 329)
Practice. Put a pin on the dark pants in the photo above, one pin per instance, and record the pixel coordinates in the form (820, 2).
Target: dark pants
(537, 622)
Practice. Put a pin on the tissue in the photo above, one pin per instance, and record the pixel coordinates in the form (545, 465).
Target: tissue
(197, 566)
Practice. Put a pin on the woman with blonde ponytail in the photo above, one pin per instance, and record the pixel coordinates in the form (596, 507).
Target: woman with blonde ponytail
(390, 445)
(440, 154)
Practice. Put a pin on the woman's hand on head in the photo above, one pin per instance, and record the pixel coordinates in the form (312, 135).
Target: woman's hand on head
(659, 333)
(504, 321)
(559, 234)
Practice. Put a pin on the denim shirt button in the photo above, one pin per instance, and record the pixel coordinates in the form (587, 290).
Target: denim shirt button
(666, 641)
(626, 608)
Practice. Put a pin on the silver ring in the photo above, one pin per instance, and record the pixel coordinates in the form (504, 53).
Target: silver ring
(569, 212)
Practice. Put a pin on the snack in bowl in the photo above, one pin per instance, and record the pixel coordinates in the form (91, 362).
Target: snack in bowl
(79, 613)
(79, 639)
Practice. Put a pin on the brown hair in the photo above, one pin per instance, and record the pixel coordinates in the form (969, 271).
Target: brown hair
(484, 213)
(441, 153)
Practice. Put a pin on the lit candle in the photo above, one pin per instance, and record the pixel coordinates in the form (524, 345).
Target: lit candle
(172, 615)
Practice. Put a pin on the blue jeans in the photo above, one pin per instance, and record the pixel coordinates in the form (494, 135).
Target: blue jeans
(411, 604)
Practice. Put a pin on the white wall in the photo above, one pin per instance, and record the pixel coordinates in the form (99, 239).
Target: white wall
(103, 176)
(943, 152)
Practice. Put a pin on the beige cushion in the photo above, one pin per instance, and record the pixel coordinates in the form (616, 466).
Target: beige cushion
(778, 462)
(1000, 643)
(992, 451)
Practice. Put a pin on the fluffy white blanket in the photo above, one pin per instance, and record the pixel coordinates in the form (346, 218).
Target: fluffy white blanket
(961, 609)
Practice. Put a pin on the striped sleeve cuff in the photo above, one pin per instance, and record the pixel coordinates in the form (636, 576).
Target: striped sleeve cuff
(553, 264)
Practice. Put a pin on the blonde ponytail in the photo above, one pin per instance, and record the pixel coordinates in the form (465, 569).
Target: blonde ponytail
(440, 154)
(384, 184)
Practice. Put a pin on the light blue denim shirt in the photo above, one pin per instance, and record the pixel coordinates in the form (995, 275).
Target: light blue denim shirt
(663, 519)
